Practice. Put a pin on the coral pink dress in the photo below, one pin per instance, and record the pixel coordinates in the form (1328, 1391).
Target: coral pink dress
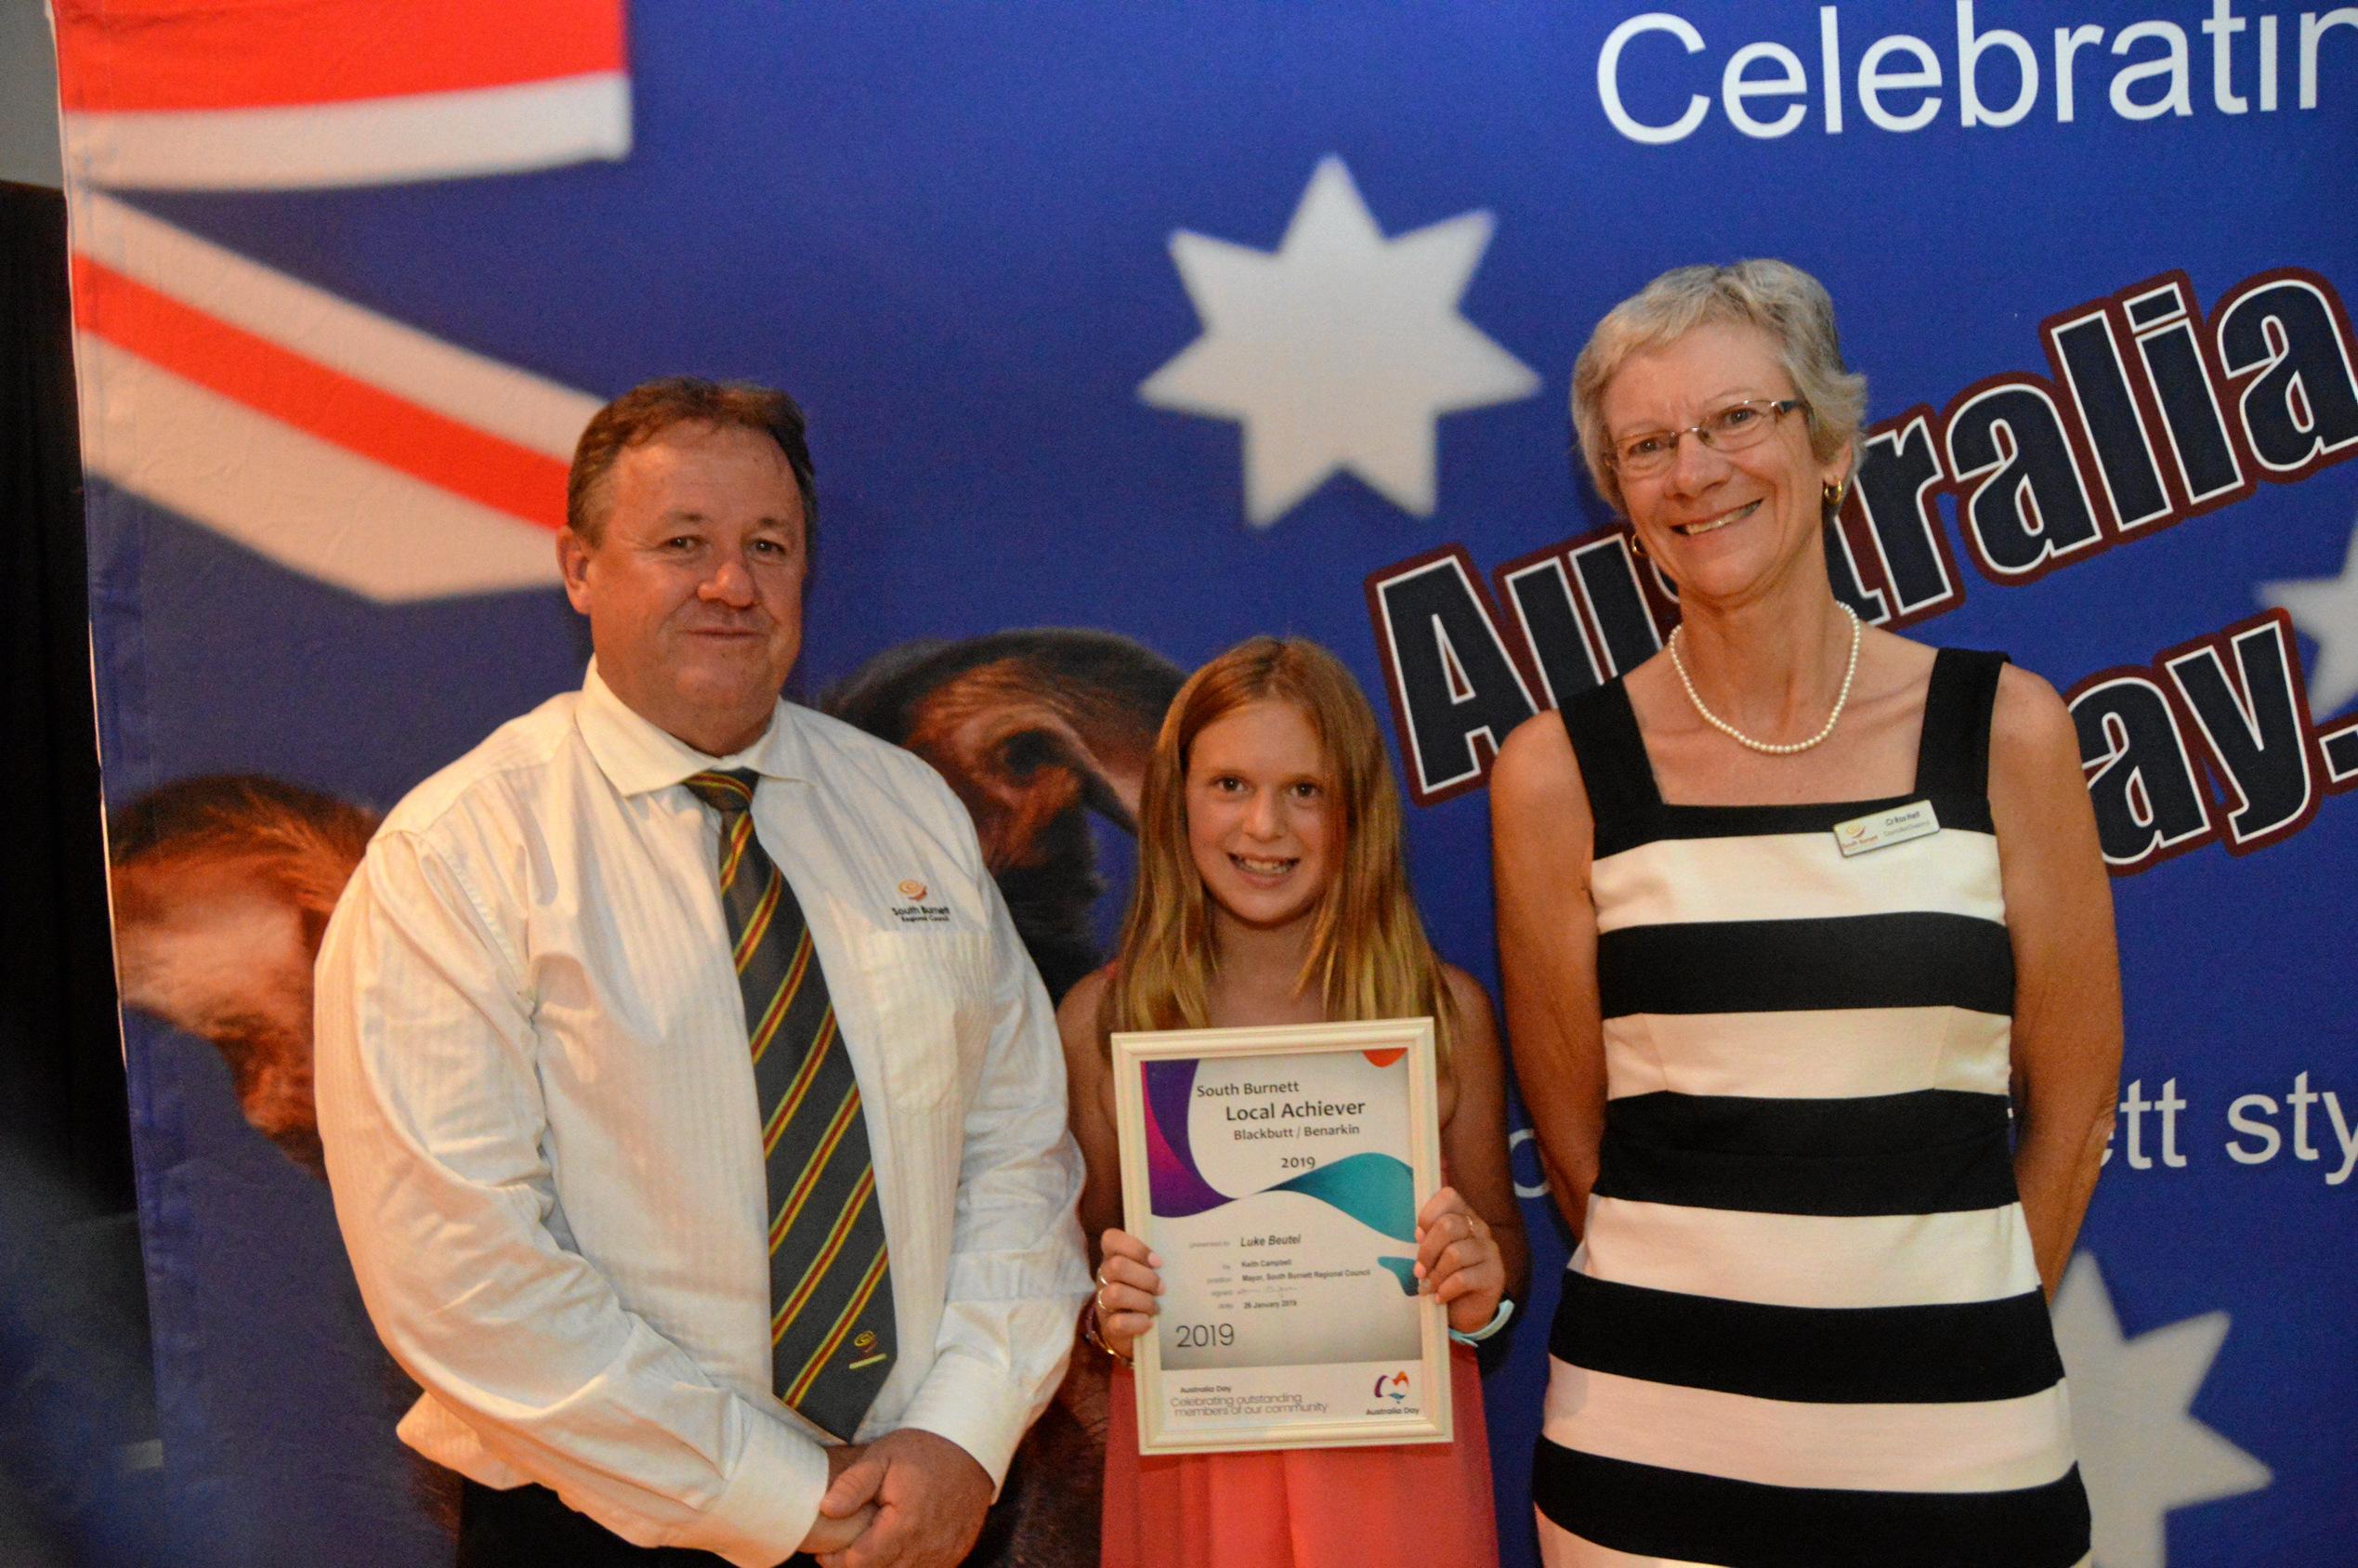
(1404, 1507)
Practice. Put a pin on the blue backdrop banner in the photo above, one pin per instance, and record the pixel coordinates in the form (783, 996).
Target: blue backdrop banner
(1157, 327)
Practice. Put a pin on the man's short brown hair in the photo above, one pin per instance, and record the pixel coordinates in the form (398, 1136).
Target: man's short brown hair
(649, 409)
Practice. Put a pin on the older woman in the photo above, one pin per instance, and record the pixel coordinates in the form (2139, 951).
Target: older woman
(1796, 918)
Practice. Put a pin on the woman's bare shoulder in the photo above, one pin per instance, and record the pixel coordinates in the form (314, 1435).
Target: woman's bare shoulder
(1905, 661)
(2029, 711)
(2033, 743)
(1536, 769)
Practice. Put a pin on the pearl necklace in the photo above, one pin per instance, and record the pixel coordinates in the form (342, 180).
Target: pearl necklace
(1738, 735)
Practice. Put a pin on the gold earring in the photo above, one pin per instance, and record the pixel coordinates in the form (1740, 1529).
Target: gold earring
(1834, 494)
(1637, 548)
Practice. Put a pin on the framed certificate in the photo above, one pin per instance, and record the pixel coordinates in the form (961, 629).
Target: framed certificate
(1277, 1173)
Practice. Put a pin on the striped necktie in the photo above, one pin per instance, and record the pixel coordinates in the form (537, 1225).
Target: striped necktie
(831, 1294)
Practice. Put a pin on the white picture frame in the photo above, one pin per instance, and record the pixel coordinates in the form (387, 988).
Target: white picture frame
(1253, 1268)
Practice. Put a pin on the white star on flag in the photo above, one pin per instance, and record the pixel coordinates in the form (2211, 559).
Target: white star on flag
(2326, 608)
(2142, 1451)
(1338, 351)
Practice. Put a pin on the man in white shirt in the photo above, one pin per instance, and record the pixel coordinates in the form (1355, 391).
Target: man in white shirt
(543, 1123)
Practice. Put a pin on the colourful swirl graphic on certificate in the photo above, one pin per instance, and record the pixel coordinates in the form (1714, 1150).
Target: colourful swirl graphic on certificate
(1283, 1209)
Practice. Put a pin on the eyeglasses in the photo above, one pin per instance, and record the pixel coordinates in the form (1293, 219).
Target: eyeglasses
(1730, 428)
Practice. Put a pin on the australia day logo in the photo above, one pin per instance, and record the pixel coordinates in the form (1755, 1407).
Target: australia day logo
(1394, 1387)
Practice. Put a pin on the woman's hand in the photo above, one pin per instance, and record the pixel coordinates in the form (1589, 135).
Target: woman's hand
(1458, 1260)
(1127, 1286)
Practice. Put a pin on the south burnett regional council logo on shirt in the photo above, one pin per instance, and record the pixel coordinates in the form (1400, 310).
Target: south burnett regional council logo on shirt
(916, 912)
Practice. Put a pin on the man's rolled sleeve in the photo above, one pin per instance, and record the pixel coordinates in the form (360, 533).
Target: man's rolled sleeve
(977, 1406)
(771, 1496)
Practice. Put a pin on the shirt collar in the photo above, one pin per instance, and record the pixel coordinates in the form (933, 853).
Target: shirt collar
(638, 756)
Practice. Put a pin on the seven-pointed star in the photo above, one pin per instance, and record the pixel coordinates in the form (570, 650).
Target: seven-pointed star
(2142, 1451)
(2327, 609)
(1337, 351)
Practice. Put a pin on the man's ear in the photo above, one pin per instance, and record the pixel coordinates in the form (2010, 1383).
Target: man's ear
(572, 565)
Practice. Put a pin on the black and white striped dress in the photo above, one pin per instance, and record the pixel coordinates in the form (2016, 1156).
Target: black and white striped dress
(1804, 1327)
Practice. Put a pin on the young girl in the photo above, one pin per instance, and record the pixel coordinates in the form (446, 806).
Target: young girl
(1271, 890)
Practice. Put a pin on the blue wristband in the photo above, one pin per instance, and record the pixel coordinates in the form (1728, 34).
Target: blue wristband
(1497, 1321)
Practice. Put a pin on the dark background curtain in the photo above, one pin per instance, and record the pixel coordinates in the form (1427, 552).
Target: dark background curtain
(77, 1406)
(61, 1089)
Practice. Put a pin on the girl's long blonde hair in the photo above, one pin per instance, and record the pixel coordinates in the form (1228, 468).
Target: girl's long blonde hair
(1369, 956)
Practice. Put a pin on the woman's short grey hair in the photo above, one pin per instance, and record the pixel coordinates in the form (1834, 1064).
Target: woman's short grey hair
(1776, 297)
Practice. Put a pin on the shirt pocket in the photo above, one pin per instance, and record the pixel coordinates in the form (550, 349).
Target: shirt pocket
(924, 1010)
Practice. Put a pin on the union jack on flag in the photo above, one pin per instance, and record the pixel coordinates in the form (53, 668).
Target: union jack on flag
(327, 436)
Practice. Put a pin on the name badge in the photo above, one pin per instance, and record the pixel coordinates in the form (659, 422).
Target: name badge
(1880, 829)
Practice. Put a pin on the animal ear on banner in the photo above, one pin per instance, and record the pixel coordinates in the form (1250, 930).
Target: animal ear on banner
(1034, 731)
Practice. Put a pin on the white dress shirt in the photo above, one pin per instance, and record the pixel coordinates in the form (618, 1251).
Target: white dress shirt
(538, 1105)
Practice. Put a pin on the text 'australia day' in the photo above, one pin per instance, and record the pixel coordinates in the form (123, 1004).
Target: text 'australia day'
(2152, 411)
